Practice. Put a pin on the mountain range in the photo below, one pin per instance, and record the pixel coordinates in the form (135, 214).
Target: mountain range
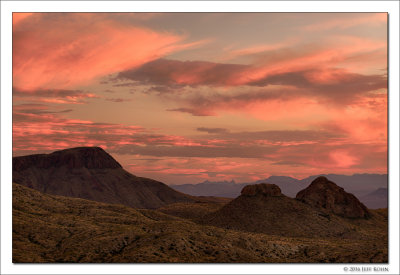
(376, 199)
(80, 205)
(364, 186)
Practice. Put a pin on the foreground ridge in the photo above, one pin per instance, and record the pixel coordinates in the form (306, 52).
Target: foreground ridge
(48, 229)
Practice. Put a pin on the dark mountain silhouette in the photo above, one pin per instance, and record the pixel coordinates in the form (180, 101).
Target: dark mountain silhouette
(325, 194)
(358, 184)
(376, 199)
(263, 208)
(91, 173)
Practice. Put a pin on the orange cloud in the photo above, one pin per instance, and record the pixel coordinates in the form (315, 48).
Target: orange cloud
(364, 122)
(242, 156)
(35, 125)
(20, 16)
(59, 50)
(57, 96)
(329, 62)
(313, 57)
(296, 161)
(343, 159)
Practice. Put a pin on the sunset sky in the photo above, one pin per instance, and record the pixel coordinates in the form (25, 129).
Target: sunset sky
(188, 97)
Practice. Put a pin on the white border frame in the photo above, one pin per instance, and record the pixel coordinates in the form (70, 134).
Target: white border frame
(7, 7)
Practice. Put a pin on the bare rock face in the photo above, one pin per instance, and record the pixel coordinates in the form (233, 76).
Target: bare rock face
(265, 189)
(325, 194)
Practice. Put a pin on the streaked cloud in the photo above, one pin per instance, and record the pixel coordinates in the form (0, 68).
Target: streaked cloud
(90, 45)
(58, 96)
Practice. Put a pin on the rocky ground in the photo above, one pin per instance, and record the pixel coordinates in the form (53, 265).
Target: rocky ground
(48, 228)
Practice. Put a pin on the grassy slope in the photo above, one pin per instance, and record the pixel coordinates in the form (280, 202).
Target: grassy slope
(50, 228)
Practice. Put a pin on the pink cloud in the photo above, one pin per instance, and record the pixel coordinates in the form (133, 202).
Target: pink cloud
(20, 16)
(325, 56)
(343, 159)
(297, 161)
(56, 96)
(328, 62)
(219, 155)
(364, 121)
(88, 46)
(35, 125)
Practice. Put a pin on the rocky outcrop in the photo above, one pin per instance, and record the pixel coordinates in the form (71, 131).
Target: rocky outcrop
(262, 208)
(263, 189)
(325, 194)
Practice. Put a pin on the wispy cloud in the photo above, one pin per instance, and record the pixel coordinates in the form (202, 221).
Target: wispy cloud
(89, 46)
(307, 96)
(311, 64)
(58, 96)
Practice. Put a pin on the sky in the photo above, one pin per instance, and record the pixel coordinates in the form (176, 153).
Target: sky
(189, 97)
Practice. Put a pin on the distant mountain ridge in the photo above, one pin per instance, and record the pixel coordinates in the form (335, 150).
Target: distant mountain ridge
(376, 199)
(91, 173)
(358, 184)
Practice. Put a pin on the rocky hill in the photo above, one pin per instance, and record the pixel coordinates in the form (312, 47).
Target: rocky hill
(263, 208)
(91, 173)
(326, 195)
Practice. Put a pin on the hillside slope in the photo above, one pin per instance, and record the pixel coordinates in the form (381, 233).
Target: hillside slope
(49, 229)
(91, 173)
